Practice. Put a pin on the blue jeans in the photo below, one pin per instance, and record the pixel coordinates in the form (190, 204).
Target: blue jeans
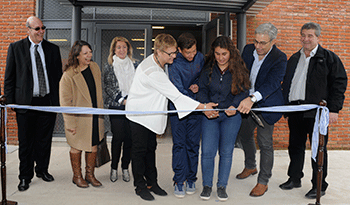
(218, 134)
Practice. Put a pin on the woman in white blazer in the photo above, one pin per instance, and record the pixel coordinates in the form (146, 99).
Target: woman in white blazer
(150, 91)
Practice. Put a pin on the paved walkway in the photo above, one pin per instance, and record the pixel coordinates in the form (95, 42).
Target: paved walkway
(63, 191)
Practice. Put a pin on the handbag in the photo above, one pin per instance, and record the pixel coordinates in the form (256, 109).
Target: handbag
(102, 156)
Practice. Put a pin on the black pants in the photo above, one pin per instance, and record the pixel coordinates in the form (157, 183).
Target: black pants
(120, 128)
(299, 128)
(144, 144)
(35, 130)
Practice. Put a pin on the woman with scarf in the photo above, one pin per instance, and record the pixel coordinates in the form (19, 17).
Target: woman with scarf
(117, 76)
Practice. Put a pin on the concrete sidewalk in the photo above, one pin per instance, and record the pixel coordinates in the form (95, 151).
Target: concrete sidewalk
(63, 191)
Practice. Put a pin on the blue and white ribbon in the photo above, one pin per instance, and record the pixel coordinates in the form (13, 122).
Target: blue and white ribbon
(101, 111)
(321, 123)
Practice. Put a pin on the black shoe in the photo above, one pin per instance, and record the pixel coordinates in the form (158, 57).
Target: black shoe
(290, 185)
(205, 195)
(45, 176)
(157, 190)
(23, 185)
(144, 194)
(222, 195)
(312, 193)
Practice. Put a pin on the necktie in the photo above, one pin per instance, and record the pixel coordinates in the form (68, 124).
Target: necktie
(40, 70)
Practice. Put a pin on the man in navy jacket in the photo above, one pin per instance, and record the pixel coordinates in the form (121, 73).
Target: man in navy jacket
(313, 74)
(267, 66)
(184, 73)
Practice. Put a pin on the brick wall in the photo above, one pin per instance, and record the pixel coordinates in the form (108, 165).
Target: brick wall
(288, 16)
(13, 16)
(334, 18)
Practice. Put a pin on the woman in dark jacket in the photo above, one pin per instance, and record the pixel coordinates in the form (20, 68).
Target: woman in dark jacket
(118, 76)
(225, 81)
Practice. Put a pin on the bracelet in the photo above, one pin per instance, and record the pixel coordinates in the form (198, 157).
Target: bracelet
(205, 106)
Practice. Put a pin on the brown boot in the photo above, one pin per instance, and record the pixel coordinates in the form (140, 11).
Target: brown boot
(75, 159)
(90, 158)
(246, 173)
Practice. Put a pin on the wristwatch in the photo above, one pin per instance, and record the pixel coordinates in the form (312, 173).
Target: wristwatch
(253, 98)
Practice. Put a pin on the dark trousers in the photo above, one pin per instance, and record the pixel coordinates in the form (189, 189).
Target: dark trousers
(120, 128)
(186, 136)
(35, 130)
(144, 144)
(300, 128)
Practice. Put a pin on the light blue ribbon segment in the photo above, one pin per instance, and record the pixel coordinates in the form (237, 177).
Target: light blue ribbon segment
(321, 123)
(101, 111)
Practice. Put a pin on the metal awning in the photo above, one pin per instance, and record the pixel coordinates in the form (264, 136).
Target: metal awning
(241, 8)
(250, 7)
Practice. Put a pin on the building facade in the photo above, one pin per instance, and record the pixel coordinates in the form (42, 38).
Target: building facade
(100, 25)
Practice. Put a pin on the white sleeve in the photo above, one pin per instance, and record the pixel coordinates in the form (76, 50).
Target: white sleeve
(160, 81)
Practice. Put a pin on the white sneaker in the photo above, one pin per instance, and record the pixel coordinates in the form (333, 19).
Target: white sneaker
(190, 187)
(179, 190)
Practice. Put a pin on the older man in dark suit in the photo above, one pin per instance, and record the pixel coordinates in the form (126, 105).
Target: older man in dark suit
(33, 71)
(267, 66)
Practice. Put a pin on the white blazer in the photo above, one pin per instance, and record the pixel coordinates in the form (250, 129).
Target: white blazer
(150, 91)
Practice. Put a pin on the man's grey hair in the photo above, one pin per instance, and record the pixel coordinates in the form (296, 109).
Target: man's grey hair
(267, 28)
(312, 25)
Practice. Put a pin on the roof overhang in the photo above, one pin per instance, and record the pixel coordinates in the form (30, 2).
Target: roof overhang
(251, 7)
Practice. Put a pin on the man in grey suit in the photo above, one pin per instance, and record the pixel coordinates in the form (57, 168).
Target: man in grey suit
(33, 71)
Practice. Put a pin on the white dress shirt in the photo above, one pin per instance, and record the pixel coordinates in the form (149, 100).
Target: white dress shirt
(254, 73)
(298, 85)
(34, 69)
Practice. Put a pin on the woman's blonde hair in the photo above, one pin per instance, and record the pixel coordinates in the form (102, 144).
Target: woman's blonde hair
(112, 48)
(164, 41)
